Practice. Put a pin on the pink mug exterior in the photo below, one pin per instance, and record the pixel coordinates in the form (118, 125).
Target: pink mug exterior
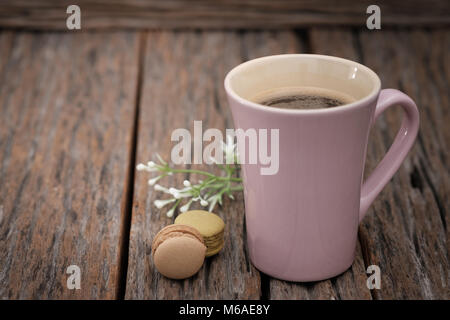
(302, 222)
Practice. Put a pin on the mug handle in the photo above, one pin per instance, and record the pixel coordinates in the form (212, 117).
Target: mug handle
(398, 150)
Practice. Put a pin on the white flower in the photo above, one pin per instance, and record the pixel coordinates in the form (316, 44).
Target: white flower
(193, 192)
(186, 207)
(141, 167)
(178, 194)
(161, 203)
(151, 182)
(203, 201)
(169, 213)
(213, 200)
(158, 187)
(175, 193)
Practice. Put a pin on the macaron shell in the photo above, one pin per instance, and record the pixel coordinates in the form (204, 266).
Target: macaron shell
(174, 230)
(179, 257)
(210, 226)
(216, 238)
(174, 234)
(207, 223)
(211, 251)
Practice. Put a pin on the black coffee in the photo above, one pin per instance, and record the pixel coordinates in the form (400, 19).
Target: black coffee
(303, 98)
(302, 102)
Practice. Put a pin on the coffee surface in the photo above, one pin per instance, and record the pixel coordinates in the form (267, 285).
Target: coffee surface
(303, 98)
(302, 102)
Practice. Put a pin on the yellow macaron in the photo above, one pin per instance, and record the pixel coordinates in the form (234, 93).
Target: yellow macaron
(210, 226)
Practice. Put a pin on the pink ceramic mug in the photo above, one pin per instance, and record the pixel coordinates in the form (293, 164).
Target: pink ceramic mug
(302, 222)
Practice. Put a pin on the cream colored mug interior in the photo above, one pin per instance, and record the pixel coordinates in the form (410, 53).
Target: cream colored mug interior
(254, 77)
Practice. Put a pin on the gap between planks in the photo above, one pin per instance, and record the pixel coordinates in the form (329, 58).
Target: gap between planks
(129, 183)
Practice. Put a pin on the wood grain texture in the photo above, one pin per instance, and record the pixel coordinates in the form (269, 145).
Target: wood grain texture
(406, 229)
(219, 14)
(66, 105)
(183, 82)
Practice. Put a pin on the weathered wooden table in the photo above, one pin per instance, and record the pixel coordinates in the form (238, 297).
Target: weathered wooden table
(79, 110)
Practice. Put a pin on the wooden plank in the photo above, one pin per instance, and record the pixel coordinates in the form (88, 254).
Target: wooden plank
(352, 283)
(183, 82)
(67, 104)
(220, 14)
(6, 44)
(405, 232)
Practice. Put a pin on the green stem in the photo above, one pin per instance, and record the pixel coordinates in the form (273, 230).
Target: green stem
(176, 204)
(205, 174)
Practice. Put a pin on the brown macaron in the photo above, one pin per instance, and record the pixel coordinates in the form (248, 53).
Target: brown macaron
(178, 251)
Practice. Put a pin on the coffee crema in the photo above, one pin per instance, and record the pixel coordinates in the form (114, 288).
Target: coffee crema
(302, 98)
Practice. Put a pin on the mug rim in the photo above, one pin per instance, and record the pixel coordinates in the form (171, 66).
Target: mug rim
(349, 106)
